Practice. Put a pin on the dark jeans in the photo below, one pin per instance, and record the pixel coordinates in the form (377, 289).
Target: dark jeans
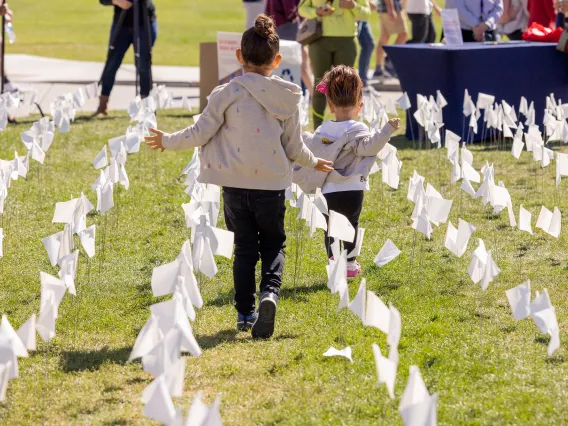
(468, 36)
(349, 204)
(257, 219)
(423, 30)
(367, 43)
(123, 41)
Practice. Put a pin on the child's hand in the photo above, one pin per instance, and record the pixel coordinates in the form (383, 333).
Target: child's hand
(395, 123)
(324, 165)
(155, 142)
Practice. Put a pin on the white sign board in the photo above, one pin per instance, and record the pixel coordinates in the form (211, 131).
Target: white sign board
(290, 68)
(452, 28)
(227, 45)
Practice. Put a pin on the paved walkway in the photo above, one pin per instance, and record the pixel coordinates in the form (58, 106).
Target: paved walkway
(50, 77)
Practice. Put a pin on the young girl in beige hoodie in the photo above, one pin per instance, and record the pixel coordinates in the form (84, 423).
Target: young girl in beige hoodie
(352, 148)
(250, 135)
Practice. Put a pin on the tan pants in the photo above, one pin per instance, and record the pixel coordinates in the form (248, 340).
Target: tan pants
(397, 26)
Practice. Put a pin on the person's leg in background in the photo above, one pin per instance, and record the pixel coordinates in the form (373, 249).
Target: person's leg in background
(122, 42)
(321, 57)
(383, 41)
(419, 25)
(144, 66)
(431, 36)
(365, 37)
(307, 73)
(400, 27)
(253, 9)
(345, 51)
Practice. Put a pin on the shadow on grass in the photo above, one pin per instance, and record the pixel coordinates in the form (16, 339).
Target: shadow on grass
(298, 293)
(231, 336)
(73, 361)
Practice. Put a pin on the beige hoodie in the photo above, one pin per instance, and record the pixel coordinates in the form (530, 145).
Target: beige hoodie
(250, 134)
(353, 155)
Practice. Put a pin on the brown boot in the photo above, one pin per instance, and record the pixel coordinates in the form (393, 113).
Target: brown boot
(102, 110)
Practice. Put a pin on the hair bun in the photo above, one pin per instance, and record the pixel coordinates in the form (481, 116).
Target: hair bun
(264, 26)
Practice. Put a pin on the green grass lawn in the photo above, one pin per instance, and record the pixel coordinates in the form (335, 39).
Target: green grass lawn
(80, 30)
(486, 368)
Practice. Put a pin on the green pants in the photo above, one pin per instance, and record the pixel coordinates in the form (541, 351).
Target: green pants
(325, 53)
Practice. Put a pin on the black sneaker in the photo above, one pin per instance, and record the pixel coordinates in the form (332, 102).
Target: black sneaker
(263, 328)
(245, 322)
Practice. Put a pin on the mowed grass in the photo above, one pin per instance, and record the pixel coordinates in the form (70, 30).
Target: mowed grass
(80, 30)
(486, 368)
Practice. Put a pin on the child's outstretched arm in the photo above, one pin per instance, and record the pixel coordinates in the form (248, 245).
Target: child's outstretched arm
(293, 144)
(371, 146)
(199, 133)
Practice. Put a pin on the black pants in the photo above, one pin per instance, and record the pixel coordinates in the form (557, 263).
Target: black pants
(423, 30)
(257, 219)
(349, 204)
(469, 38)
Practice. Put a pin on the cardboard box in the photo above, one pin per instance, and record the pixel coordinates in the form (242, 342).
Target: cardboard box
(208, 72)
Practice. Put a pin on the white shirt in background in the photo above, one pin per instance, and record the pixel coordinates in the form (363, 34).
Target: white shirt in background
(419, 7)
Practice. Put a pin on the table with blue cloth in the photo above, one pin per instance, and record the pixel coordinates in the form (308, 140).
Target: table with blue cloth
(506, 70)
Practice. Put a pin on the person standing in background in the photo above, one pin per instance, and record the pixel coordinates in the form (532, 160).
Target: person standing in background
(392, 21)
(285, 15)
(253, 8)
(542, 12)
(124, 39)
(515, 18)
(337, 46)
(478, 18)
(367, 43)
(420, 15)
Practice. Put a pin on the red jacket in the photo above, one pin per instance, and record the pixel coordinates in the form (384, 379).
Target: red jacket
(542, 12)
(282, 11)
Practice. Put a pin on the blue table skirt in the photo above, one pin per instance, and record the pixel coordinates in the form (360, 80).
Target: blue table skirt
(507, 71)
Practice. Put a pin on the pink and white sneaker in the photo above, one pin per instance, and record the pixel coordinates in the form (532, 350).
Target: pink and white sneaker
(353, 269)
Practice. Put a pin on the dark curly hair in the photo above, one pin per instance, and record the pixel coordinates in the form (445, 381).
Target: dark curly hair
(344, 88)
(260, 44)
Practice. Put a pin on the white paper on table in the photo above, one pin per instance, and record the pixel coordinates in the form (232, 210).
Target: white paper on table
(388, 252)
(386, 370)
(340, 227)
(346, 353)
(519, 298)
(377, 314)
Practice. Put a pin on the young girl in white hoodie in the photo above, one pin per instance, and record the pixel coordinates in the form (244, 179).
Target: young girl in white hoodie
(250, 135)
(352, 148)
